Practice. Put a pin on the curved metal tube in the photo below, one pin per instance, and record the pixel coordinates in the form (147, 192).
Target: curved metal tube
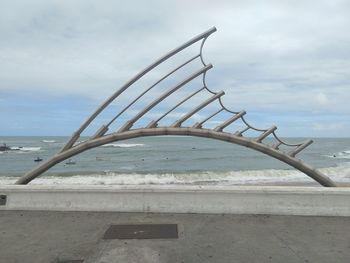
(223, 136)
(284, 143)
(155, 123)
(199, 125)
(76, 134)
(179, 122)
(201, 51)
(99, 138)
(130, 123)
(229, 121)
(151, 87)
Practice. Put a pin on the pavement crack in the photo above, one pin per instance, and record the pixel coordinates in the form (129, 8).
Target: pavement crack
(285, 243)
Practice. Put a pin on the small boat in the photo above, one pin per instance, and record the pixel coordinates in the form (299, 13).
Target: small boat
(38, 159)
(100, 158)
(4, 147)
(70, 162)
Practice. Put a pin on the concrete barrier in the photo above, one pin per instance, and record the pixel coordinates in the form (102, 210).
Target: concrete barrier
(277, 200)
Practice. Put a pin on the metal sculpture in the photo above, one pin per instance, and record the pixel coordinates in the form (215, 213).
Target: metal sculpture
(126, 130)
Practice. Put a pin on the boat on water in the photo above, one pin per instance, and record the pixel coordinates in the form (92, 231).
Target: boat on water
(70, 162)
(101, 158)
(38, 159)
(4, 147)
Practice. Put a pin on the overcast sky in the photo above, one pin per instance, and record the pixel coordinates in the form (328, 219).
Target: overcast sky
(285, 62)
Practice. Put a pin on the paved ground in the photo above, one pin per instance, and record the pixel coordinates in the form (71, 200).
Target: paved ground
(28, 237)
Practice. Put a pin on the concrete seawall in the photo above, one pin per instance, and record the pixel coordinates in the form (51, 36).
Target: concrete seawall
(66, 224)
(181, 199)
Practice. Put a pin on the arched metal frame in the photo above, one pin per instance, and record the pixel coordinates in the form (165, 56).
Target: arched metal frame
(101, 137)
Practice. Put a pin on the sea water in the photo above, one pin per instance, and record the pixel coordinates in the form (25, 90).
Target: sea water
(170, 160)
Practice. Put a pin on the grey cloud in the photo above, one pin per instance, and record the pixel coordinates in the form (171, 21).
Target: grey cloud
(274, 56)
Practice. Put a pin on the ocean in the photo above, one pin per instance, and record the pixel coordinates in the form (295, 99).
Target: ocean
(171, 160)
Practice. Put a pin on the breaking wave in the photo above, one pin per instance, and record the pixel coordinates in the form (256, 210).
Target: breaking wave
(49, 141)
(123, 145)
(340, 155)
(25, 149)
(340, 173)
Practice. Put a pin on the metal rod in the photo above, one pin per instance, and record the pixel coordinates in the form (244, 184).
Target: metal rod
(198, 108)
(151, 87)
(76, 134)
(201, 50)
(154, 123)
(265, 134)
(130, 123)
(300, 148)
(239, 133)
(282, 142)
(100, 132)
(250, 126)
(198, 125)
(277, 145)
(229, 121)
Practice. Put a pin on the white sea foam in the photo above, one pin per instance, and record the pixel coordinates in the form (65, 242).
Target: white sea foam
(123, 145)
(25, 149)
(49, 141)
(339, 174)
(340, 155)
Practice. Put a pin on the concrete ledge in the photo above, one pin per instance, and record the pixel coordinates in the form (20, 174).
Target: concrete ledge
(277, 200)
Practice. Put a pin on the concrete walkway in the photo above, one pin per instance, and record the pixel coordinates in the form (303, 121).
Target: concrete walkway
(37, 236)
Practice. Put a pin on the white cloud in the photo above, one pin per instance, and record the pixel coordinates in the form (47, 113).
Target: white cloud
(328, 127)
(322, 99)
(276, 56)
